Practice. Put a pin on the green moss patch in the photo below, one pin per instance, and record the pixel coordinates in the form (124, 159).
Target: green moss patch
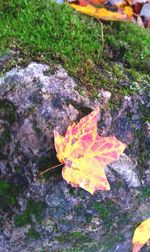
(33, 234)
(104, 245)
(4, 138)
(145, 193)
(104, 209)
(109, 213)
(32, 209)
(110, 242)
(7, 112)
(49, 31)
(74, 237)
(129, 43)
(8, 195)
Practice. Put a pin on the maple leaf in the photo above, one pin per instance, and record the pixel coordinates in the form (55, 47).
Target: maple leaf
(141, 235)
(85, 154)
(124, 13)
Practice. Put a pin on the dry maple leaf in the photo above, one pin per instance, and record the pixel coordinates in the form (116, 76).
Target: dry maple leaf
(85, 154)
(124, 13)
(115, 10)
(141, 235)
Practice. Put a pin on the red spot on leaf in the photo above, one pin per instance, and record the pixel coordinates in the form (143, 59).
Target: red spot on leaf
(101, 159)
(114, 155)
(107, 146)
(86, 130)
(95, 147)
(75, 130)
(88, 138)
(117, 145)
(104, 180)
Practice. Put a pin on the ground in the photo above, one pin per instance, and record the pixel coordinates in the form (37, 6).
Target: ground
(55, 34)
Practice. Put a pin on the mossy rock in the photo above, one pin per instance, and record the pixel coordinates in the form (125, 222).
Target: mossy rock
(74, 237)
(33, 208)
(8, 112)
(33, 234)
(8, 195)
(145, 192)
(64, 35)
(4, 138)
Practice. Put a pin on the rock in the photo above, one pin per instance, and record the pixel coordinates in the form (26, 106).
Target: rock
(38, 98)
(105, 96)
(4, 58)
(147, 129)
(127, 170)
(48, 214)
(145, 11)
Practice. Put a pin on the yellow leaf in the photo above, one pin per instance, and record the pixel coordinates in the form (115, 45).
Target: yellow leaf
(85, 154)
(102, 13)
(141, 235)
(128, 11)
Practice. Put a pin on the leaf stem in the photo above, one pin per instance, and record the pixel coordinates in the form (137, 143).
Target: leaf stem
(49, 169)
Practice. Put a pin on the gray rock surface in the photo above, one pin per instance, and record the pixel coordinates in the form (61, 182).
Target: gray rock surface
(44, 213)
(127, 170)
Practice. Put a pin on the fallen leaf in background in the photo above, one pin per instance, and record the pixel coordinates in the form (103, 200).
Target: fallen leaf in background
(138, 1)
(102, 13)
(141, 235)
(116, 10)
(85, 154)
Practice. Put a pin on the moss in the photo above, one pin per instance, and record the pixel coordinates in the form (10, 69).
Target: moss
(79, 236)
(74, 237)
(107, 212)
(31, 109)
(4, 138)
(23, 219)
(112, 77)
(104, 209)
(145, 113)
(7, 111)
(101, 210)
(114, 104)
(110, 242)
(37, 130)
(60, 33)
(33, 234)
(8, 194)
(125, 40)
(3, 187)
(104, 245)
(142, 153)
(145, 192)
(32, 209)
(76, 249)
(64, 221)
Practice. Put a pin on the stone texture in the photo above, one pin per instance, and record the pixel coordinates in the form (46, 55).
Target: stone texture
(34, 101)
